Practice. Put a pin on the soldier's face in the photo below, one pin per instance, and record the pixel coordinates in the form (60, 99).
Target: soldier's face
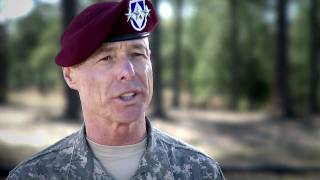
(116, 81)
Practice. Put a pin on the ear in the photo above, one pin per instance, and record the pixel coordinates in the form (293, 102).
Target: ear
(69, 77)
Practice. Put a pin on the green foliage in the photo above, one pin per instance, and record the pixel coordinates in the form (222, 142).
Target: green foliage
(33, 44)
(206, 51)
(167, 51)
(299, 56)
(256, 47)
(206, 42)
(206, 33)
(43, 59)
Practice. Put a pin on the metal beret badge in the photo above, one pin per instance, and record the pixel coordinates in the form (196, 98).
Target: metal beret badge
(138, 13)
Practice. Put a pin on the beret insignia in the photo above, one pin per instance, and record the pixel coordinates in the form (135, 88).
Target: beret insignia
(138, 14)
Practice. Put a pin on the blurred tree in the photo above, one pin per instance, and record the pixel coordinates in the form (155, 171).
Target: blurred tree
(314, 56)
(177, 53)
(206, 53)
(158, 110)
(206, 50)
(300, 56)
(72, 111)
(47, 75)
(255, 45)
(235, 56)
(283, 94)
(3, 64)
(23, 39)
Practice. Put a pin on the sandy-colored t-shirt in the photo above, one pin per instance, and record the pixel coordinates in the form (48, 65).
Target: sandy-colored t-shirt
(121, 161)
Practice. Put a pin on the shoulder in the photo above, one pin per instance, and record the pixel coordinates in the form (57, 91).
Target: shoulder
(52, 160)
(185, 158)
(178, 146)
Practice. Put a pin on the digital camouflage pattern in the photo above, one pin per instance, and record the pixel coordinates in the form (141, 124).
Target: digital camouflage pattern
(164, 158)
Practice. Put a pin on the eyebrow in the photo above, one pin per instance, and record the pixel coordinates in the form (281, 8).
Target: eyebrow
(107, 48)
(139, 46)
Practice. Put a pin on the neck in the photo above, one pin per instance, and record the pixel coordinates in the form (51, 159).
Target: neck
(103, 132)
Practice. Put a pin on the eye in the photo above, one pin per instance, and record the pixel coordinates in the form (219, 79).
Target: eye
(138, 55)
(106, 58)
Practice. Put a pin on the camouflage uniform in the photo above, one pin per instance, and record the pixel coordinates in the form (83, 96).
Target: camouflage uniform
(164, 158)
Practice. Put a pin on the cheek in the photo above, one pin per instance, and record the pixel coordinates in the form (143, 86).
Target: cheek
(86, 85)
(90, 87)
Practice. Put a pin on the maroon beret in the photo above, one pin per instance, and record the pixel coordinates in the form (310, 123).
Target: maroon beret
(105, 22)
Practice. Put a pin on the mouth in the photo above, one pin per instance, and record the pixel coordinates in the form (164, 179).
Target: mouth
(128, 96)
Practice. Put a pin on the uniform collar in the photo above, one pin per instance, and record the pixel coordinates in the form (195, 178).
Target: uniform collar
(83, 160)
(154, 161)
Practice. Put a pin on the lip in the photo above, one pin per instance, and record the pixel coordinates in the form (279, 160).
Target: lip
(135, 91)
(134, 100)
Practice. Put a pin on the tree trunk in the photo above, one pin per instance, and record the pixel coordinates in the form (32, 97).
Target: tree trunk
(177, 56)
(3, 65)
(157, 69)
(314, 57)
(283, 98)
(72, 110)
(234, 59)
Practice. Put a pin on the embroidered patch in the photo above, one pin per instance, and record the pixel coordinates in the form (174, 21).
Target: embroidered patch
(138, 13)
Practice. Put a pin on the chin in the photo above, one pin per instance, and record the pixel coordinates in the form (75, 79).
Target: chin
(130, 116)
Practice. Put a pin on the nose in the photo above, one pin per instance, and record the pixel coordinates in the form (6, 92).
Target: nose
(126, 70)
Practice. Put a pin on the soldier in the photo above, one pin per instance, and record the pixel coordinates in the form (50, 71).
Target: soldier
(105, 56)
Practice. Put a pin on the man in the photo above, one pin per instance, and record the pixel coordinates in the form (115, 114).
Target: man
(105, 56)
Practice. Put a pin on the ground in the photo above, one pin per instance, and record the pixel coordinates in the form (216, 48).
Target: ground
(248, 145)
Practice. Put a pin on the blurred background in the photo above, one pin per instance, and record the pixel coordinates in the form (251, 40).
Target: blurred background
(238, 79)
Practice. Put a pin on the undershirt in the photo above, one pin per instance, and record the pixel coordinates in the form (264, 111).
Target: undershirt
(121, 161)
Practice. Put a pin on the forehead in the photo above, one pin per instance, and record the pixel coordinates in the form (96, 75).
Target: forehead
(142, 44)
